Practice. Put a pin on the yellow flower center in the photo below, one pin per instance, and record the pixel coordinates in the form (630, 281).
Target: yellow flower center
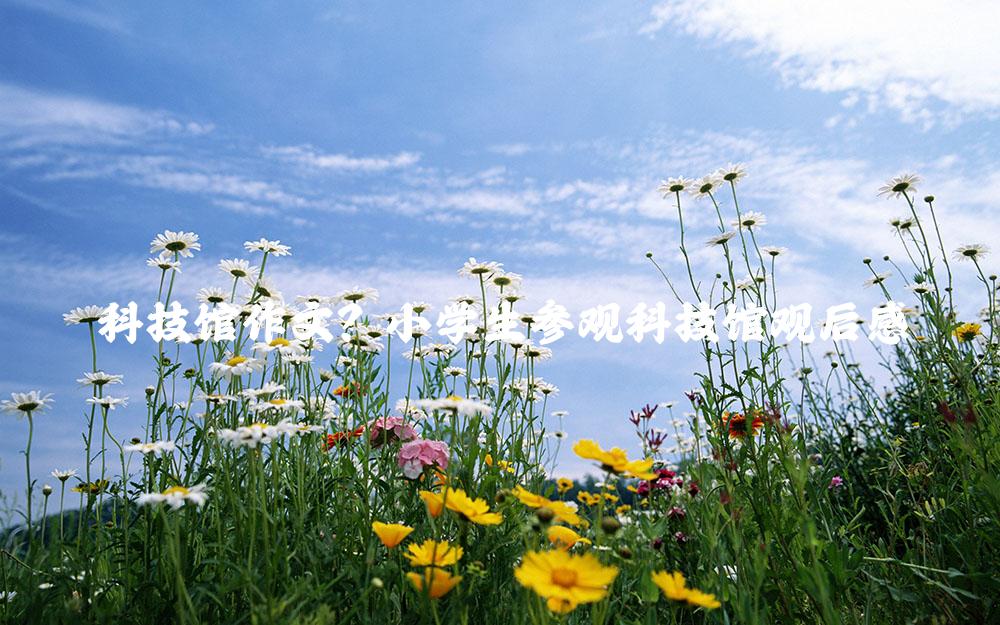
(564, 577)
(236, 360)
(277, 402)
(176, 490)
(280, 342)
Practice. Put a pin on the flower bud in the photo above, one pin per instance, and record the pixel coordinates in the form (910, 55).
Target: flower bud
(545, 514)
(610, 525)
(46, 490)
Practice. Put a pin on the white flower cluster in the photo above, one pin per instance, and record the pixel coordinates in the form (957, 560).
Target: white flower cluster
(453, 404)
(257, 434)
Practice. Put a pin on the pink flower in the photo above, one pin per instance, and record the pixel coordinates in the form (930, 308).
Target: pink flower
(836, 482)
(417, 454)
(390, 429)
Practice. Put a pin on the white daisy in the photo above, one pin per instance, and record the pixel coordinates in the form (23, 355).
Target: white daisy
(181, 243)
(283, 346)
(475, 268)
(732, 173)
(99, 378)
(453, 404)
(454, 371)
(559, 414)
(773, 251)
(749, 220)
(269, 388)
(265, 288)
(85, 314)
(237, 268)
(357, 295)
(536, 351)
(920, 288)
(706, 185)
(215, 398)
(63, 474)
(212, 295)
(320, 300)
(25, 403)
(273, 248)
(164, 262)
(235, 366)
(905, 183)
(675, 185)
(971, 252)
(108, 402)
(506, 280)
(156, 448)
(720, 239)
(176, 497)
(278, 404)
(878, 278)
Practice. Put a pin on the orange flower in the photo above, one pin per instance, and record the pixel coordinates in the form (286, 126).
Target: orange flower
(391, 534)
(348, 390)
(340, 438)
(437, 582)
(737, 425)
(434, 501)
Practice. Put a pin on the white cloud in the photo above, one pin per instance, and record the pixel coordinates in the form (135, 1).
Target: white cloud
(927, 60)
(308, 156)
(33, 117)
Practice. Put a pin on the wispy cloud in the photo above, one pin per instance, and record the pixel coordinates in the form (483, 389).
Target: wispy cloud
(74, 12)
(310, 157)
(31, 117)
(929, 61)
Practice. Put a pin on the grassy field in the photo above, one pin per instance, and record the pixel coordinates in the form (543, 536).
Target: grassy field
(282, 483)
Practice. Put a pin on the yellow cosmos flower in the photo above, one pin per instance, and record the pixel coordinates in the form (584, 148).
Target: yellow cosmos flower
(434, 581)
(433, 553)
(588, 499)
(614, 460)
(967, 332)
(434, 501)
(391, 534)
(622, 509)
(563, 511)
(674, 587)
(475, 510)
(565, 580)
(564, 538)
(564, 484)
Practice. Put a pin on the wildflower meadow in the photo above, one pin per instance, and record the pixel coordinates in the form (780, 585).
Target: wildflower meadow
(282, 479)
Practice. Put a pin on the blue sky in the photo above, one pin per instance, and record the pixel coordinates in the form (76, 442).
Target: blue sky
(388, 142)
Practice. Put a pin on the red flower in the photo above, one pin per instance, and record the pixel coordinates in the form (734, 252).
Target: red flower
(736, 423)
(341, 438)
(351, 389)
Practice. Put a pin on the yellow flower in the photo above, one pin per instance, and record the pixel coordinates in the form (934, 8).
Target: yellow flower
(529, 499)
(588, 499)
(615, 460)
(564, 538)
(565, 580)
(438, 582)
(563, 511)
(474, 510)
(967, 332)
(622, 509)
(611, 498)
(674, 586)
(434, 501)
(564, 484)
(391, 534)
(432, 553)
